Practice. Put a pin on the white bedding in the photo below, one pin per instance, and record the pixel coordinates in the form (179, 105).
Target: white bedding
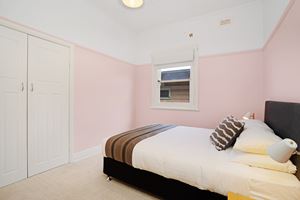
(186, 154)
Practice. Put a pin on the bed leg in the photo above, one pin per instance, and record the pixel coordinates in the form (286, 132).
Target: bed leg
(108, 178)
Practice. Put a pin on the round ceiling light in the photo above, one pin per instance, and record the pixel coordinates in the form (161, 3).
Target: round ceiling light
(133, 3)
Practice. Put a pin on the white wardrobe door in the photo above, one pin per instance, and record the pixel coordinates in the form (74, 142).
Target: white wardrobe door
(13, 105)
(48, 107)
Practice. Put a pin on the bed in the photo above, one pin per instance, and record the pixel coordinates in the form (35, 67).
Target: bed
(177, 162)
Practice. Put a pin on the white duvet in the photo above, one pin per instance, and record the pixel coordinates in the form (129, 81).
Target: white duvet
(186, 154)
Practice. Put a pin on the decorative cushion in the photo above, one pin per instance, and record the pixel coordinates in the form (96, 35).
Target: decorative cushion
(226, 133)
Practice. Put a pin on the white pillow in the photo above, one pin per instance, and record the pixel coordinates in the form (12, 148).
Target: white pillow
(256, 138)
(253, 123)
(264, 161)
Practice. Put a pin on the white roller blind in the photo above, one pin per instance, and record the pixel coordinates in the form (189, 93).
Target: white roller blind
(178, 55)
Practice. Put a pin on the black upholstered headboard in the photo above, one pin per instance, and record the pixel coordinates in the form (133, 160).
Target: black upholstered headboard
(284, 119)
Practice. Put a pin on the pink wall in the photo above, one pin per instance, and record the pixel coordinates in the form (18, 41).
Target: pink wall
(228, 84)
(103, 95)
(112, 96)
(104, 90)
(282, 59)
(271, 74)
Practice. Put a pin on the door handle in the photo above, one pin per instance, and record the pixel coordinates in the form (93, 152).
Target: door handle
(31, 87)
(22, 87)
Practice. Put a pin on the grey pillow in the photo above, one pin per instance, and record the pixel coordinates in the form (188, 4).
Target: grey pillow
(226, 133)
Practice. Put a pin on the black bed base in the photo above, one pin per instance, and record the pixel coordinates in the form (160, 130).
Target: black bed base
(156, 184)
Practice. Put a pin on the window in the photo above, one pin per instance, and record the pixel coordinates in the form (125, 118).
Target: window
(174, 86)
(175, 81)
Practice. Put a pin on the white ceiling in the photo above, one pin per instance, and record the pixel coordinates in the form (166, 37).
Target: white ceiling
(159, 12)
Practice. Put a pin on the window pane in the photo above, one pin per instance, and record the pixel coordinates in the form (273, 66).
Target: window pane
(175, 84)
(175, 73)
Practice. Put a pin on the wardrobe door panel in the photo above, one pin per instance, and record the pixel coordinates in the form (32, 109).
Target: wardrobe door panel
(13, 106)
(48, 105)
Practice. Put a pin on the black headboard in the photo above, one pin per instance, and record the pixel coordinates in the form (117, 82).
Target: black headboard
(284, 119)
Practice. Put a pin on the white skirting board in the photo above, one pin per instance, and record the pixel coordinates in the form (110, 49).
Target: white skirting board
(96, 150)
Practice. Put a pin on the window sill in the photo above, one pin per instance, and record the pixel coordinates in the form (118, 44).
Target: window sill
(174, 108)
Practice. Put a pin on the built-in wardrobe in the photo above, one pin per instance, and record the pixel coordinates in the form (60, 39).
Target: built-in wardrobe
(34, 105)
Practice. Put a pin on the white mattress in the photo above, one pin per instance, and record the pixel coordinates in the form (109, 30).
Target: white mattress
(186, 154)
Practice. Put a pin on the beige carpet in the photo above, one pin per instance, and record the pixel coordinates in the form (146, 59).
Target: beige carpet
(79, 181)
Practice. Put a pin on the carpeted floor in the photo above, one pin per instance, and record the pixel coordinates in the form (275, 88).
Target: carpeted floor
(79, 181)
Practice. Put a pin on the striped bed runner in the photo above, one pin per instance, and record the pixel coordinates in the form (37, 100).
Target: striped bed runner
(120, 147)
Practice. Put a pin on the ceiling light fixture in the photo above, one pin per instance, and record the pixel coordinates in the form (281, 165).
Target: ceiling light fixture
(133, 3)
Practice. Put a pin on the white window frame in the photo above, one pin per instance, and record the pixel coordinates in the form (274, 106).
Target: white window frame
(156, 75)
